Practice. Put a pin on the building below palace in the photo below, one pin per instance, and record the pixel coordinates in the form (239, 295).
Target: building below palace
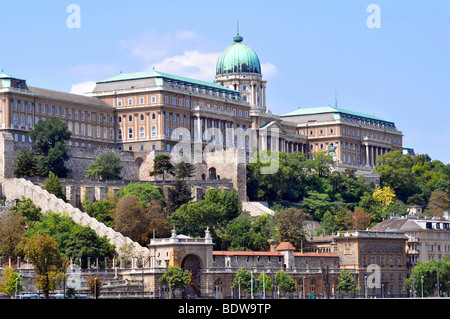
(315, 271)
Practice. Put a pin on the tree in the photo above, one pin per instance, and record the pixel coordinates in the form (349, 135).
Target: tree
(178, 195)
(49, 144)
(106, 166)
(94, 284)
(264, 283)
(158, 224)
(243, 280)
(346, 282)
(284, 282)
(359, 219)
(176, 278)
(437, 204)
(317, 204)
(26, 164)
(12, 231)
(49, 264)
(144, 191)
(53, 186)
(289, 223)
(162, 165)
(28, 210)
(131, 219)
(385, 195)
(184, 169)
(74, 240)
(102, 210)
(11, 282)
(427, 273)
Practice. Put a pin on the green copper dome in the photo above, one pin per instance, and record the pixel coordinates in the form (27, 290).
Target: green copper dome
(238, 58)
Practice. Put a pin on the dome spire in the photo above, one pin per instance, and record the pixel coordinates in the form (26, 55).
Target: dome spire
(238, 38)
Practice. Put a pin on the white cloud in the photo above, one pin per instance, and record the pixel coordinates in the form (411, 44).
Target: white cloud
(83, 87)
(150, 45)
(268, 70)
(191, 64)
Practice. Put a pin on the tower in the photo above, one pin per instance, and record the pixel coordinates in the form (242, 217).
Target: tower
(238, 68)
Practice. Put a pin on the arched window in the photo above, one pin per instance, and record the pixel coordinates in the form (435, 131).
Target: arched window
(141, 132)
(22, 121)
(130, 133)
(153, 131)
(119, 134)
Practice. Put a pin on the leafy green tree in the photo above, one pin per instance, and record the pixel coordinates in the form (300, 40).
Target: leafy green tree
(243, 280)
(176, 278)
(53, 186)
(178, 195)
(346, 282)
(184, 169)
(73, 240)
(146, 192)
(49, 264)
(106, 166)
(284, 282)
(427, 273)
(215, 211)
(102, 210)
(264, 283)
(49, 144)
(329, 224)
(28, 210)
(11, 282)
(317, 204)
(26, 164)
(162, 165)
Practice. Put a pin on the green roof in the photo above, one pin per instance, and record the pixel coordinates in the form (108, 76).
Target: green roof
(7, 76)
(169, 77)
(238, 58)
(336, 112)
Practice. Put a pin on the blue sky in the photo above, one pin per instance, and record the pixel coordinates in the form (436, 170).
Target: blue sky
(310, 51)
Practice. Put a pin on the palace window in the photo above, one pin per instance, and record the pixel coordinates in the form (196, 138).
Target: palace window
(130, 133)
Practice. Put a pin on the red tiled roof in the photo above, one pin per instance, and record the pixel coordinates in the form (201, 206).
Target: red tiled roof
(285, 246)
(246, 253)
(315, 254)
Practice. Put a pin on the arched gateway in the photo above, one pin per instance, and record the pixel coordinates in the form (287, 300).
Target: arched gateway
(193, 254)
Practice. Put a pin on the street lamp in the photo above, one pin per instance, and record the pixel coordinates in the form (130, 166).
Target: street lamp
(239, 284)
(365, 286)
(421, 279)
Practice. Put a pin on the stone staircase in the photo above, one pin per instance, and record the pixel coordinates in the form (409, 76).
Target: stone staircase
(257, 208)
(19, 188)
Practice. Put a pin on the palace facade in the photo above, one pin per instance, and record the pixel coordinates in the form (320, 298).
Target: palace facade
(152, 110)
